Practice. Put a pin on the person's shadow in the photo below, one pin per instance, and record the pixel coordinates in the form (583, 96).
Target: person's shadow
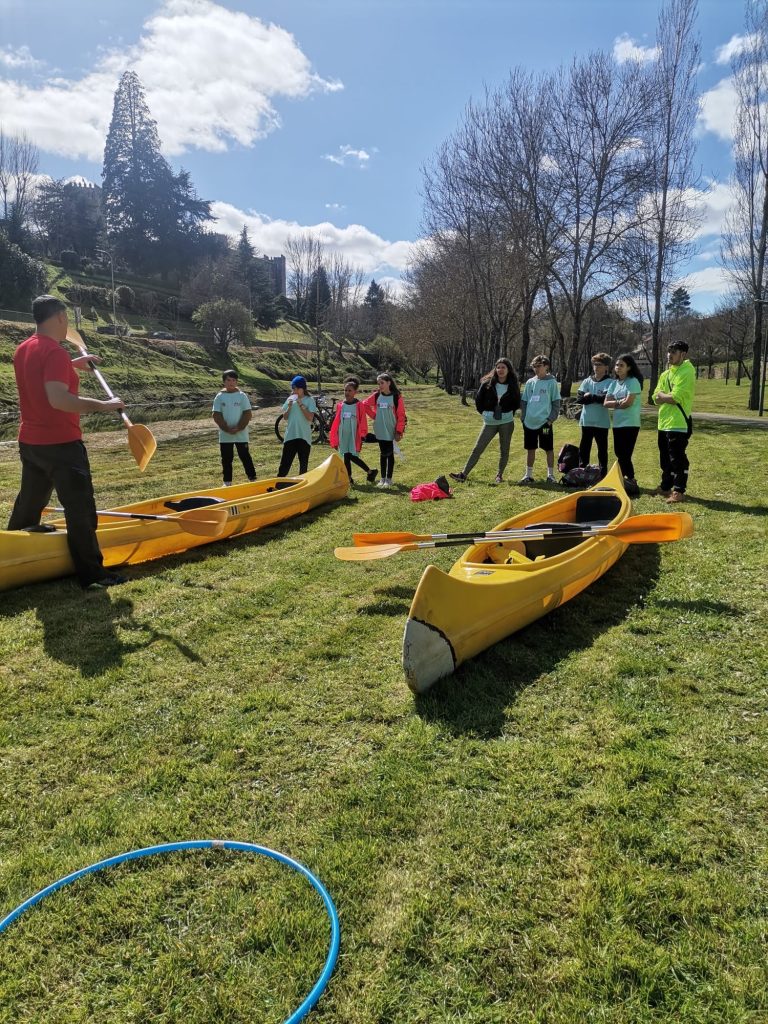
(82, 630)
(474, 699)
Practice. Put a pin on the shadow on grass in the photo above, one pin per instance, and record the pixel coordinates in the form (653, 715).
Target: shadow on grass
(82, 630)
(702, 606)
(474, 700)
(393, 601)
(727, 506)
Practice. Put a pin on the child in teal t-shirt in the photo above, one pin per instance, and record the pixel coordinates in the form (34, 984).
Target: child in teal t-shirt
(232, 414)
(298, 412)
(539, 408)
(624, 398)
(349, 429)
(595, 420)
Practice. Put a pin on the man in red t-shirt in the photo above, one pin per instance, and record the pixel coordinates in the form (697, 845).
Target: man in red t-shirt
(50, 442)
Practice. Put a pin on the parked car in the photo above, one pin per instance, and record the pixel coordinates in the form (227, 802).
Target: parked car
(163, 335)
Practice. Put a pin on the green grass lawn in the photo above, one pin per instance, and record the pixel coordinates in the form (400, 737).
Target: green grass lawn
(573, 828)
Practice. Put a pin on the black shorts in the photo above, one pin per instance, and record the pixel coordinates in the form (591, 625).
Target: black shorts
(540, 438)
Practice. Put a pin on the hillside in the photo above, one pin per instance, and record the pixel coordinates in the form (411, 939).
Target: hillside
(147, 371)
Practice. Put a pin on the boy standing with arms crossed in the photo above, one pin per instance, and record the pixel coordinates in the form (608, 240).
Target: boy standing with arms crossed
(539, 408)
(232, 414)
(674, 397)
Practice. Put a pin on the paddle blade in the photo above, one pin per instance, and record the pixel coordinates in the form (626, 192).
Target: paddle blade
(203, 522)
(361, 539)
(369, 552)
(142, 443)
(658, 528)
(76, 338)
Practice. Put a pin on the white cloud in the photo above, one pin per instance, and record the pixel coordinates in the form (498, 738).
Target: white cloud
(21, 58)
(713, 203)
(210, 76)
(348, 153)
(356, 243)
(711, 280)
(735, 46)
(625, 49)
(717, 109)
(335, 206)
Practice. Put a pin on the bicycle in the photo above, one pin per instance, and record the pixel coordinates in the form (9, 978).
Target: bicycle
(321, 421)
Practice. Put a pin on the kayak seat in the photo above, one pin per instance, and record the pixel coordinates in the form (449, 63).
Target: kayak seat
(203, 501)
(592, 508)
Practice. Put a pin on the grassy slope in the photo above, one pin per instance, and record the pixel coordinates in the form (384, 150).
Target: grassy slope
(573, 828)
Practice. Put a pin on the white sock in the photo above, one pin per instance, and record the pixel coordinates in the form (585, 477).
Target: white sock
(550, 474)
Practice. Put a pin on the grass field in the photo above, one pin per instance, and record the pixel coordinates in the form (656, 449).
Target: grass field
(573, 828)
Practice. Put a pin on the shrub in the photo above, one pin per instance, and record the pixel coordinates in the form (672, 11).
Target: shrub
(124, 296)
(70, 260)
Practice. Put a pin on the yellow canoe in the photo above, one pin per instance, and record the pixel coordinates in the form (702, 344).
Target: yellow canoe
(497, 588)
(29, 557)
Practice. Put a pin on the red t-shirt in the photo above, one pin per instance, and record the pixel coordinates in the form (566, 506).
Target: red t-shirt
(37, 360)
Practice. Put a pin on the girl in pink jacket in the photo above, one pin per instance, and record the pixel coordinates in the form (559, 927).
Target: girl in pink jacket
(387, 410)
(348, 430)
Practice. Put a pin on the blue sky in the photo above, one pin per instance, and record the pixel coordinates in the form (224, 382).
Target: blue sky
(318, 114)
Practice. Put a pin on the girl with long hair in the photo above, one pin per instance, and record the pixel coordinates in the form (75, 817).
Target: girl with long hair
(623, 396)
(497, 400)
(387, 410)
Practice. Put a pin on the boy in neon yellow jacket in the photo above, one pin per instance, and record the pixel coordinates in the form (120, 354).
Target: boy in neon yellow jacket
(674, 397)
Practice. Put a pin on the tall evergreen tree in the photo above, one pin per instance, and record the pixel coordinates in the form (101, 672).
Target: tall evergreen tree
(151, 213)
(318, 297)
(679, 305)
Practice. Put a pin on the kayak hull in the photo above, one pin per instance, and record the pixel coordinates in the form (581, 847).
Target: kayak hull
(30, 557)
(495, 589)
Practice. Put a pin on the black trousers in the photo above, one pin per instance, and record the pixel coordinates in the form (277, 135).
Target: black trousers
(291, 449)
(227, 449)
(600, 436)
(64, 467)
(624, 441)
(387, 459)
(673, 459)
(349, 458)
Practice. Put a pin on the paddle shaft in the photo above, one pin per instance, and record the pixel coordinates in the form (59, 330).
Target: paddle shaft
(178, 519)
(75, 338)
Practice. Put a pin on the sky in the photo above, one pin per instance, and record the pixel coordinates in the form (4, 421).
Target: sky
(319, 115)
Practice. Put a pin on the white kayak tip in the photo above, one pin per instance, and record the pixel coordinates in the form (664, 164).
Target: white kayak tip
(427, 655)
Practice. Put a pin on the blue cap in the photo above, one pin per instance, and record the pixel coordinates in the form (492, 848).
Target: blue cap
(299, 382)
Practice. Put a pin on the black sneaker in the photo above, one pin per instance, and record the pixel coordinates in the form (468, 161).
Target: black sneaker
(371, 475)
(110, 580)
(458, 477)
(527, 481)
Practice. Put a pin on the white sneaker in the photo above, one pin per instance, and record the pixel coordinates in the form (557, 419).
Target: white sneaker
(385, 484)
(382, 482)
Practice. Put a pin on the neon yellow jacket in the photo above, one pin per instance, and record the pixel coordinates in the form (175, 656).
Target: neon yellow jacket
(680, 382)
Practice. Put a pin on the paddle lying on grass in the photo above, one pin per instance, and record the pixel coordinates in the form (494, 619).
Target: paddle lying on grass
(658, 528)
(203, 522)
(141, 440)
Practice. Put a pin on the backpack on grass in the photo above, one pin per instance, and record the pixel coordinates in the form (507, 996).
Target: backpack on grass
(581, 476)
(568, 458)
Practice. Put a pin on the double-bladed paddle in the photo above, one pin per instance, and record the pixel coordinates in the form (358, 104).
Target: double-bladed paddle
(658, 528)
(141, 440)
(202, 522)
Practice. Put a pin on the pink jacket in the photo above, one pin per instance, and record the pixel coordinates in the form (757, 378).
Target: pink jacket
(362, 426)
(370, 408)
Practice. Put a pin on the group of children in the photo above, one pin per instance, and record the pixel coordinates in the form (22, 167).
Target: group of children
(497, 399)
(385, 406)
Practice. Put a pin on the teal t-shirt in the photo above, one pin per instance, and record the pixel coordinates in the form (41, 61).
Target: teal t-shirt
(506, 417)
(539, 396)
(348, 428)
(384, 424)
(232, 405)
(620, 389)
(298, 427)
(594, 414)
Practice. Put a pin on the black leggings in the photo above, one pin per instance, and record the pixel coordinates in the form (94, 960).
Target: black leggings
(291, 449)
(65, 467)
(624, 441)
(673, 459)
(349, 459)
(227, 449)
(600, 436)
(387, 459)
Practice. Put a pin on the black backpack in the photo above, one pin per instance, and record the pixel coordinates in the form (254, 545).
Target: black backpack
(568, 458)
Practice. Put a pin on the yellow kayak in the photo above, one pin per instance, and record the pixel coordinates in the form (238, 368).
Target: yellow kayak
(496, 588)
(28, 557)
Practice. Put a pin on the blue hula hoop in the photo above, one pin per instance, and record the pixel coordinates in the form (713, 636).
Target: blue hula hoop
(209, 844)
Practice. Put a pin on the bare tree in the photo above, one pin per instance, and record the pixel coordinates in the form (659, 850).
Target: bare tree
(19, 163)
(304, 255)
(665, 234)
(596, 171)
(745, 239)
